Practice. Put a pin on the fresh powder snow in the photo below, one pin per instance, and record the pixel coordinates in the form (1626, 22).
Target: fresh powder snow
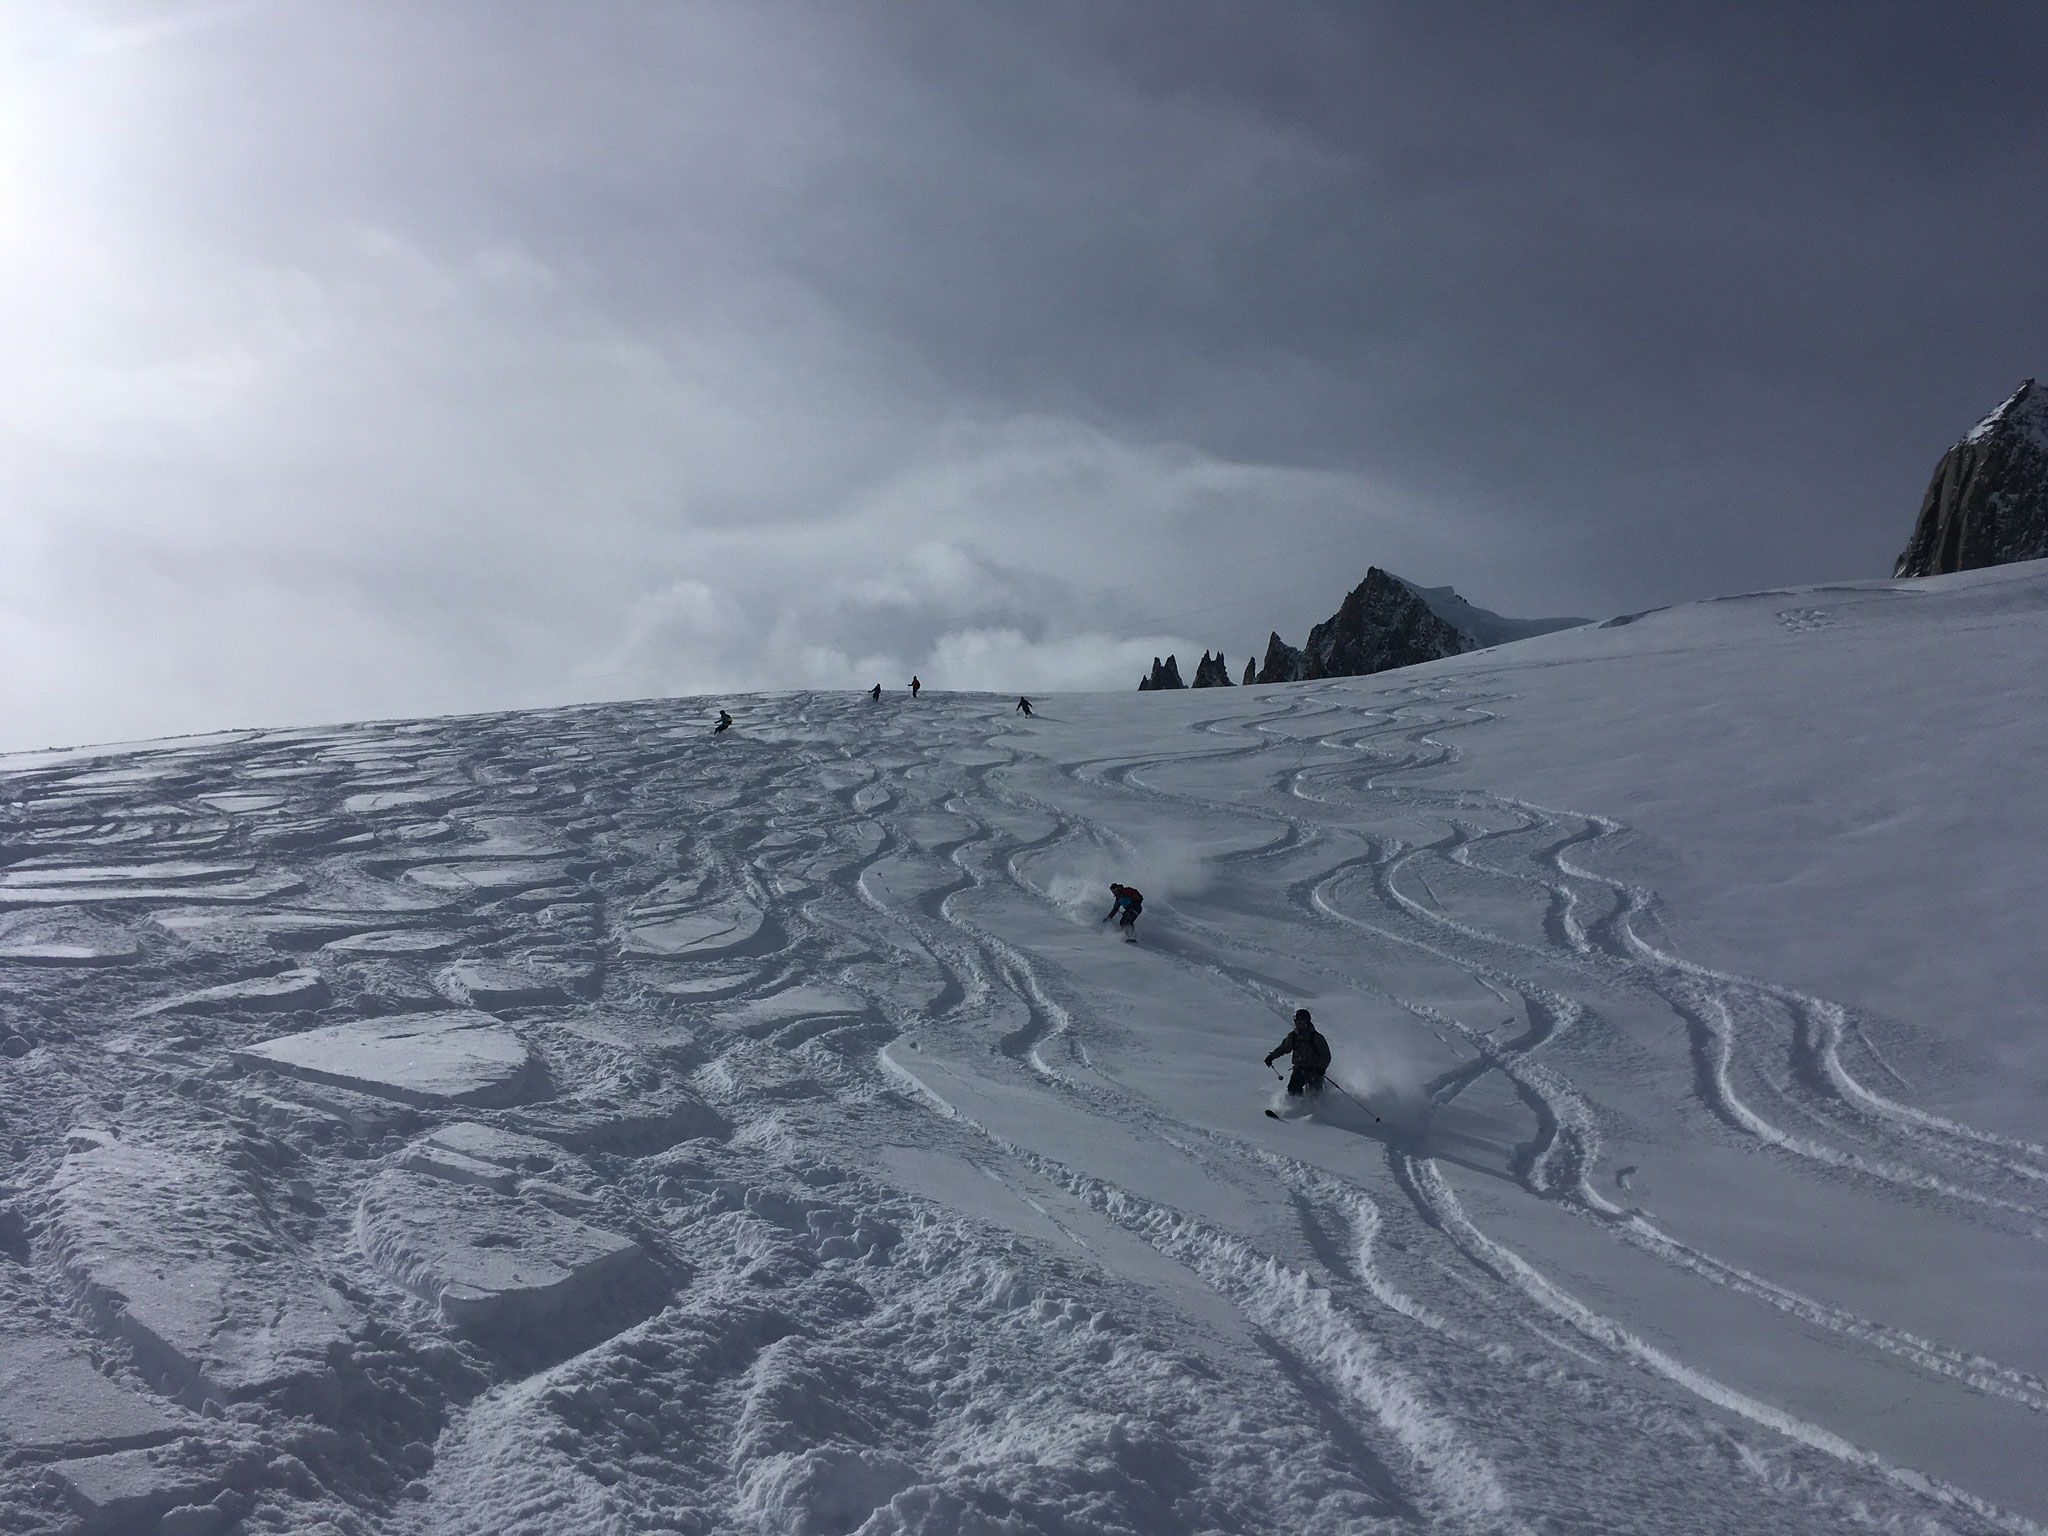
(575, 1122)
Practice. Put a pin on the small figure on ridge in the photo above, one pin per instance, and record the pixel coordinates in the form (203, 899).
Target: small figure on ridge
(724, 723)
(876, 693)
(915, 685)
(1024, 708)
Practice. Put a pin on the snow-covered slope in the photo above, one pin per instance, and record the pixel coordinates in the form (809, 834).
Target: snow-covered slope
(576, 1122)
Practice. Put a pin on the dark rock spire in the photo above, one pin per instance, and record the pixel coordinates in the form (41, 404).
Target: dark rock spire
(1988, 501)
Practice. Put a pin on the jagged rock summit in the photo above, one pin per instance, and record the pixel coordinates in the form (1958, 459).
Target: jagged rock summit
(1988, 501)
(1166, 675)
(1384, 623)
(1387, 622)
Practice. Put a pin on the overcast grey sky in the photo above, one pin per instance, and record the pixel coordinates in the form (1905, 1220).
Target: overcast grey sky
(393, 357)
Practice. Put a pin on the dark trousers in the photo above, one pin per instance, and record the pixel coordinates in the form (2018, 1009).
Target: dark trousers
(1307, 1078)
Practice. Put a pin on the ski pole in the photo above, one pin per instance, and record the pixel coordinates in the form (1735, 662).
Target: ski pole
(1354, 1098)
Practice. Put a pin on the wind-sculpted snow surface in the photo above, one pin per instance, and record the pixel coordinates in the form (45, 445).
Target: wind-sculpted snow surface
(574, 1122)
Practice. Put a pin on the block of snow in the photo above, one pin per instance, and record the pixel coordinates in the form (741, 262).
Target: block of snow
(67, 942)
(484, 876)
(506, 1149)
(283, 930)
(487, 1261)
(376, 801)
(35, 872)
(714, 931)
(492, 984)
(176, 1252)
(467, 1153)
(128, 1491)
(646, 1127)
(257, 888)
(286, 992)
(457, 1167)
(412, 943)
(51, 1399)
(423, 1058)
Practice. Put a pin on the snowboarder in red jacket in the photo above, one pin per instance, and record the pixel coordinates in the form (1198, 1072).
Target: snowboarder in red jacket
(1129, 901)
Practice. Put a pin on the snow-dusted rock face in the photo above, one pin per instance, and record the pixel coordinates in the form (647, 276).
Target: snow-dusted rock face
(1380, 625)
(1387, 622)
(1211, 672)
(1988, 501)
(1163, 675)
(1283, 664)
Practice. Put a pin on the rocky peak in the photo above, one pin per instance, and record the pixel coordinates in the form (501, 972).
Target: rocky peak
(1210, 672)
(1988, 501)
(1381, 625)
(1166, 675)
(1284, 663)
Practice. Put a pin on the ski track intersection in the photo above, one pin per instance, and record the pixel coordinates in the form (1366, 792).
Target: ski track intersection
(569, 1122)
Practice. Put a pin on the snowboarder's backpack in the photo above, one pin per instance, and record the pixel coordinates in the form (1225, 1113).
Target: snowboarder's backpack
(1319, 1060)
(1135, 899)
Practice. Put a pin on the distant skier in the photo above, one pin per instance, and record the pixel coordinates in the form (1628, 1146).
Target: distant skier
(724, 723)
(1311, 1053)
(1128, 901)
(1024, 708)
(915, 686)
(876, 693)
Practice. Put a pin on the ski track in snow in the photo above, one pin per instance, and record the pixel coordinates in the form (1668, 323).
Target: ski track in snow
(793, 1167)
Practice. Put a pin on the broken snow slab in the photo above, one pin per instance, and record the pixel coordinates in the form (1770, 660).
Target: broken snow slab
(512, 837)
(283, 930)
(486, 1261)
(258, 888)
(719, 930)
(428, 798)
(495, 984)
(242, 802)
(651, 1124)
(286, 992)
(176, 1253)
(468, 1153)
(39, 872)
(407, 943)
(460, 1057)
(129, 1492)
(487, 877)
(67, 940)
(52, 1401)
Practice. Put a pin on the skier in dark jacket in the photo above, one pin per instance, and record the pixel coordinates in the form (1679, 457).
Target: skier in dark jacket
(1024, 708)
(915, 687)
(1130, 901)
(724, 723)
(1311, 1053)
(876, 693)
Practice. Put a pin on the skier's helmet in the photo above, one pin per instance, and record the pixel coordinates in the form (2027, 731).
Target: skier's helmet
(1301, 1016)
